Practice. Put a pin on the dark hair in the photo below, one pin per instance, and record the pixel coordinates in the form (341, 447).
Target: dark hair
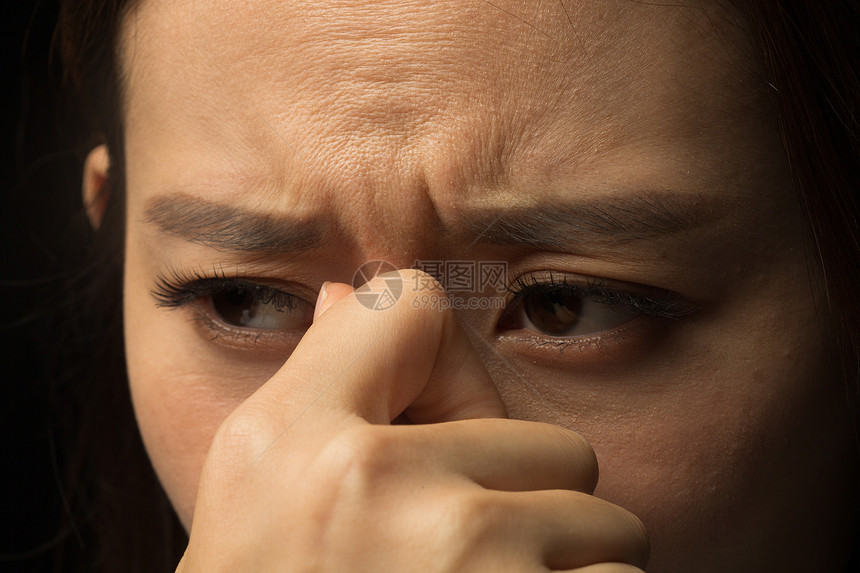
(118, 517)
(811, 51)
(122, 516)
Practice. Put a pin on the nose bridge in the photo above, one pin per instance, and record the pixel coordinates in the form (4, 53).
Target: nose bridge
(389, 210)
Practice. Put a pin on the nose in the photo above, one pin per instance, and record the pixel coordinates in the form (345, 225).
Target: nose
(397, 221)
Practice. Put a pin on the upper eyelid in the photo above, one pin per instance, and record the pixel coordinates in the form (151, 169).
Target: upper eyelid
(660, 303)
(533, 279)
(178, 289)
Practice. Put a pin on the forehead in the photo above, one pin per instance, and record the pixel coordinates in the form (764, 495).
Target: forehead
(455, 89)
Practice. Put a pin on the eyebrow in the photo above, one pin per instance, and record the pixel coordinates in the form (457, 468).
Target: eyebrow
(605, 221)
(232, 228)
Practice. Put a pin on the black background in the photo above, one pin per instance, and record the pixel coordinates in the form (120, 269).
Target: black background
(39, 183)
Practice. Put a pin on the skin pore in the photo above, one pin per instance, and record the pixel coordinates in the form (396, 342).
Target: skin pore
(619, 147)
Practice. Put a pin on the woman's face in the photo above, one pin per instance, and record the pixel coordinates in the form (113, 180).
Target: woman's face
(621, 151)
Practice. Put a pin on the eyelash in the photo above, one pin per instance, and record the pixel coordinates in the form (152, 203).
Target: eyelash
(179, 288)
(663, 304)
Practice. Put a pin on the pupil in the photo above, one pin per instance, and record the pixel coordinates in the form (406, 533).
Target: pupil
(233, 306)
(553, 312)
(236, 296)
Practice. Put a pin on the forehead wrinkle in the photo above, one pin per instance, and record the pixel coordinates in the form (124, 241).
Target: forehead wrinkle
(659, 75)
(522, 128)
(393, 51)
(355, 91)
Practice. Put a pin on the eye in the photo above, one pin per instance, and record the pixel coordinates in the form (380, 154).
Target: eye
(561, 312)
(554, 307)
(233, 303)
(259, 307)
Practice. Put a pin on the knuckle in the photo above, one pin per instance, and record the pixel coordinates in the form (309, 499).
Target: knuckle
(475, 528)
(237, 442)
(241, 435)
(360, 456)
(473, 517)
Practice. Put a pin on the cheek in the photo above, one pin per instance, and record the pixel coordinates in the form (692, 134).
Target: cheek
(730, 439)
(177, 419)
(749, 475)
(181, 390)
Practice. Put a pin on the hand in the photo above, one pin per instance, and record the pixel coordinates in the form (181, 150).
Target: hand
(308, 474)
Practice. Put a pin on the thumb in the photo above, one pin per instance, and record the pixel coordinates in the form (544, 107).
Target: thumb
(330, 293)
(455, 360)
(358, 360)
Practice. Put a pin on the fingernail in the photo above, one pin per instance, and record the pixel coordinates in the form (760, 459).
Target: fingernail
(318, 309)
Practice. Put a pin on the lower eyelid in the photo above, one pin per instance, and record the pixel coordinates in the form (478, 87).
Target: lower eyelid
(239, 338)
(592, 342)
(599, 352)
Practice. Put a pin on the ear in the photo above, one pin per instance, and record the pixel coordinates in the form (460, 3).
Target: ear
(95, 192)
